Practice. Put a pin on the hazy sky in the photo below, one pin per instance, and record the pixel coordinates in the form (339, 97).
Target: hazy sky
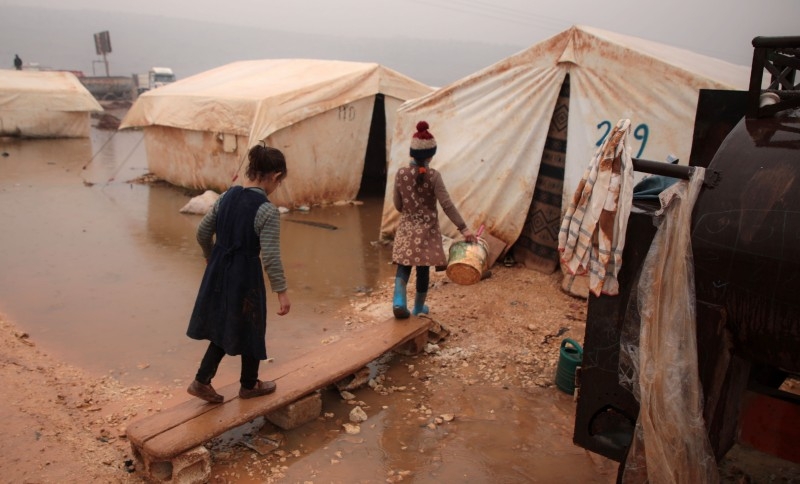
(719, 28)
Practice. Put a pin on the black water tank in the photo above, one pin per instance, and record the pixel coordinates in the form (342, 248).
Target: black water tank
(746, 240)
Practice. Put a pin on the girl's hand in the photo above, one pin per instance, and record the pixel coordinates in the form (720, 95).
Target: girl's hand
(286, 305)
(469, 236)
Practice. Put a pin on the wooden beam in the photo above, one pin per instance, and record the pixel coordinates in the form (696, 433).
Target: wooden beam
(194, 422)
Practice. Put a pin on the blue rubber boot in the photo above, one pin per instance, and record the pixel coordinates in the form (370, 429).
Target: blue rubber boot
(419, 304)
(399, 305)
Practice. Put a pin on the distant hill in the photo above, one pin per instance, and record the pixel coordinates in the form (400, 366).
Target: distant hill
(63, 39)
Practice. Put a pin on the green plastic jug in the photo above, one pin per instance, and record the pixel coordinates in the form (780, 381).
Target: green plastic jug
(571, 356)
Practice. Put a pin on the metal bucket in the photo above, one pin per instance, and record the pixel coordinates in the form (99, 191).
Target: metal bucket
(467, 262)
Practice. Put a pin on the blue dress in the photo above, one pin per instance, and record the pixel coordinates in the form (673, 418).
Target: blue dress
(231, 305)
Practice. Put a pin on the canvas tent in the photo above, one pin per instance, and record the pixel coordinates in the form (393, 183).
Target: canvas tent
(330, 118)
(49, 104)
(515, 137)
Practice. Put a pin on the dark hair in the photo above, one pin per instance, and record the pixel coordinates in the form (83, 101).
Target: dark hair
(265, 160)
(422, 169)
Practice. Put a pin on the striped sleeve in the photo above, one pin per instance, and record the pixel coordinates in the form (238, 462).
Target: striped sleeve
(205, 231)
(268, 228)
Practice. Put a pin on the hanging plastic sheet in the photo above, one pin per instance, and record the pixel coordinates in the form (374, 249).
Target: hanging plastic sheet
(659, 361)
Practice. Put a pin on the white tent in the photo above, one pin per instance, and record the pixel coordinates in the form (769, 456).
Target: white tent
(499, 126)
(50, 104)
(198, 130)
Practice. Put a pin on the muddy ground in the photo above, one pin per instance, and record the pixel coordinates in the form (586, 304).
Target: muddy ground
(62, 424)
(504, 332)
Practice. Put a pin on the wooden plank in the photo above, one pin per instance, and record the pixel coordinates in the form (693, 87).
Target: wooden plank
(189, 424)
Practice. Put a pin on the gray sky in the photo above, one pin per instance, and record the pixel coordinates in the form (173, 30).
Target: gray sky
(719, 28)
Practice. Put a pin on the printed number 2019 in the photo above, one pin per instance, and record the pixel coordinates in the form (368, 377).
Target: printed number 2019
(641, 133)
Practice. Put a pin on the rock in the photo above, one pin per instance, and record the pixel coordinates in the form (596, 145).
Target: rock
(354, 381)
(431, 348)
(357, 415)
(263, 445)
(352, 429)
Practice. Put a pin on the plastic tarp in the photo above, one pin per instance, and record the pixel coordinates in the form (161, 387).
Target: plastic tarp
(658, 357)
(491, 126)
(318, 112)
(44, 104)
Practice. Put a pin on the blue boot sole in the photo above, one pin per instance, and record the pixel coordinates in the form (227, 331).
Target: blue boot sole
(424, 310)
(400, 312)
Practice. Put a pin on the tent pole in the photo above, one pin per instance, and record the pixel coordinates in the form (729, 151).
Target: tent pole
(674, 170)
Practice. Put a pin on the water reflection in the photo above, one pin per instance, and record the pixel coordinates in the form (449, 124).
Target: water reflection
(104, 273)
(338, 262)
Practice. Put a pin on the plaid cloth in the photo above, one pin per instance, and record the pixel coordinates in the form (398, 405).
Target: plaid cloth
(592, 233)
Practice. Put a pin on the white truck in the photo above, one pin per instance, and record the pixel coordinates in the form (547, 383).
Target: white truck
(156, 77)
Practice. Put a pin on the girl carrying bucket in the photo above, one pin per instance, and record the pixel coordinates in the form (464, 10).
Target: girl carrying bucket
(418, 240)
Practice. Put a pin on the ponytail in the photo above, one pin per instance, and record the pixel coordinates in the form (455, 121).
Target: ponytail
(421, 170)
(265, 160)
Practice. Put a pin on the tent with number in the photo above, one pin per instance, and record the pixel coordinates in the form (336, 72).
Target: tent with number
(330, 118)
(514, 138)
(44, 104)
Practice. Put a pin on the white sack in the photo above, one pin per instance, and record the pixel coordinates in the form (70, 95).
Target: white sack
(201, 204)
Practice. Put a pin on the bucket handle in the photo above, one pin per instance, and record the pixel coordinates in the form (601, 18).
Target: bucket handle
(573, 343)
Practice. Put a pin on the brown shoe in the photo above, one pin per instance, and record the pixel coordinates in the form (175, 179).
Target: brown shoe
(261, 388)
(205, 392)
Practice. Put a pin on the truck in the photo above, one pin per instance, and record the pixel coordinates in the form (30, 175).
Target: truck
(155, 77)
(108, 88)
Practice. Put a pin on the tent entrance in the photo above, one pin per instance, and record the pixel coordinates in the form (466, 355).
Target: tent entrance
(373, 181)
(537, 246)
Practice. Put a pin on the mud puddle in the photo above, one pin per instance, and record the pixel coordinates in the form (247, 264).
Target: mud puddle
(421, 427)
(104, 272)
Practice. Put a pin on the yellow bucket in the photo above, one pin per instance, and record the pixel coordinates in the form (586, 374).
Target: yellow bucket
(467, 262)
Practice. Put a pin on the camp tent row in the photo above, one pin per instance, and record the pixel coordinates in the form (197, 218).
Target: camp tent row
(49, 104)
(515, 138)
(332, 119)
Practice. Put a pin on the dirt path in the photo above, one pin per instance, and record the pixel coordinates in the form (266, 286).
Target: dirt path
(59, 424)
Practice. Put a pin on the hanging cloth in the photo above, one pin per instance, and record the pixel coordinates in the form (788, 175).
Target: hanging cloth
(592, 233)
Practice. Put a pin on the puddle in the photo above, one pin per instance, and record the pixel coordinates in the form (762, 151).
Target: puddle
(490, 434)
(104, 273)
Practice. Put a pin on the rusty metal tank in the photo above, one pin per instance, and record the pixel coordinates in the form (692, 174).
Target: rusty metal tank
(746, 240)
(746, 257)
